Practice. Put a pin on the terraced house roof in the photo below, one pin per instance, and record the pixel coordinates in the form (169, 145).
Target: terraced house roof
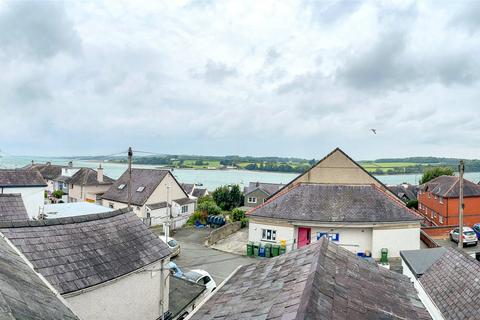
(80, 252)
(88, 177)
(147, 179)
(10, 178)
(48, 171)
(449, 187)
(267, 188)
(318, 281)
(12, 207)
(23, 295)
(335, 203)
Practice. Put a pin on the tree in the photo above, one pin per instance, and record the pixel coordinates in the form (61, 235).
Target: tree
(209, 207)
(238, 215)
(228, 197)
(412, 204)
(432, 173)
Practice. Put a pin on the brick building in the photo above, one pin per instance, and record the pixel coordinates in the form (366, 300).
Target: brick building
(438, 201)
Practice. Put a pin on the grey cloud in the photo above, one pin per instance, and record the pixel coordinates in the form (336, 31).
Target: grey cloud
(327, 12)
(272, 56)
(381, 66)
(37, 28)
(467, 17)
(216, 72)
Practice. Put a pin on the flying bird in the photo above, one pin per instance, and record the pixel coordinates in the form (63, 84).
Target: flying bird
(374, 131)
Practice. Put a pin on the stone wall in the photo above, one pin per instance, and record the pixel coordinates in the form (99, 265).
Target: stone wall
(223, 232)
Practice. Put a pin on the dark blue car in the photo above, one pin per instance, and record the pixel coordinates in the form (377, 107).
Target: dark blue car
(476, 228)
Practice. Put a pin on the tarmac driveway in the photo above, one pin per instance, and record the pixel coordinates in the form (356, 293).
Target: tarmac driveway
(195, 255)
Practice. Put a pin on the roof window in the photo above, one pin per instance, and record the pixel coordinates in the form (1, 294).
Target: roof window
(140, 189)
(121, 186)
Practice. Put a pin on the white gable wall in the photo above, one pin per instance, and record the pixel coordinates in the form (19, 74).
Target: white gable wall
(33, 198)
(135, 296)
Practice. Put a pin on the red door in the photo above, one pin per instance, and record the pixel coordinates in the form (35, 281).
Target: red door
(303, 237)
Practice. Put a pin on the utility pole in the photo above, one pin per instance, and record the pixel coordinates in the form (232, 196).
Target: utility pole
(130, 154)
(461, 205)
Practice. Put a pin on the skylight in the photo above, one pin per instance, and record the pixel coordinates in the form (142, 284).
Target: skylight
(121, 186)
(140, 189)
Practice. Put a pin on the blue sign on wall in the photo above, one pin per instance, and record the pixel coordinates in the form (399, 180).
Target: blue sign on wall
(330, 236)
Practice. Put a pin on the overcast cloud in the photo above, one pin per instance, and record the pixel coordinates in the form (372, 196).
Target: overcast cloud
(286, 78)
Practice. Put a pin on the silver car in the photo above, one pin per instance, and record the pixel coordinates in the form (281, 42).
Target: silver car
(469, 236)
(173, 245)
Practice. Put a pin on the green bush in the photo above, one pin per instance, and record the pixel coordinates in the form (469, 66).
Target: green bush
(244, 222)
(209, 208)
(197, 215)
(238, 215)
(57, 194)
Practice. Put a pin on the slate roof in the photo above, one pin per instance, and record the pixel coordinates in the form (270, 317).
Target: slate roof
(75, 253)
(408, 192)
(268, 188)
(88, 177)
(157, 205)
(48, 171)
(419, 261)
(10, 178)
(12, 207)
(23, 295)
(335, 203)
(182, 293)
(148, 178)
(184, 201)
(449, 187)
(199, 192)
(307, 172)
(188, 187)
(452, 283)
(318, 281)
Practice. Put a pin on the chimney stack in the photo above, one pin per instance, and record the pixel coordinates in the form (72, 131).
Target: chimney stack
(70, 164)
(100, 173)
(48, 163)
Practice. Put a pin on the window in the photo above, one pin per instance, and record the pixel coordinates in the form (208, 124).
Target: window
(120, 187)
(432, 214)
(110, 205)
(140, 189)
(441, 199)
(429, 195)
(435, 196)
(205, 280)
(252, 200)
(184, 209)
(440, 218)
(269, 234)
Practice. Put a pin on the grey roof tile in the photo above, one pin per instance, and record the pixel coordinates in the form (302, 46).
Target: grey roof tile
(199, 192)
(78, 253)
(12, 208)
(147, 178)
(88, 177)
(335, 203)
(452, 284)
(449, 187)
(319, 281)
(48, 171)
(268, 188)
(21, 178)
(23, 295)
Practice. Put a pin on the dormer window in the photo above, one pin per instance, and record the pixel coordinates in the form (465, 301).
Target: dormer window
(140, 189)
(120, 187)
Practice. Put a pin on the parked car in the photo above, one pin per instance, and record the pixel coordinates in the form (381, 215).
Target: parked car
(469, 236)
(476, 229)
(201, 277)
(173, 245)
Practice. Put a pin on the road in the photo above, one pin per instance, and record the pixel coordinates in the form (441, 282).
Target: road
(195, 255)
(448, 243)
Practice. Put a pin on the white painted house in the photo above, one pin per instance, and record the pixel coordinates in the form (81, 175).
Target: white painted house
(338, 199)
(108, 266)
(151, 190)
(177, 213)
(29, 183)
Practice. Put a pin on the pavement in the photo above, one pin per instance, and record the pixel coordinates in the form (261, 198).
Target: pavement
(195, 255)
(235, 243)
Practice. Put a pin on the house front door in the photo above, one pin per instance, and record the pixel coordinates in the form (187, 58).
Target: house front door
(303, 237)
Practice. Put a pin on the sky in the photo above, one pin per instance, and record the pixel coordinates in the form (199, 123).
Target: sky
(262, 78)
